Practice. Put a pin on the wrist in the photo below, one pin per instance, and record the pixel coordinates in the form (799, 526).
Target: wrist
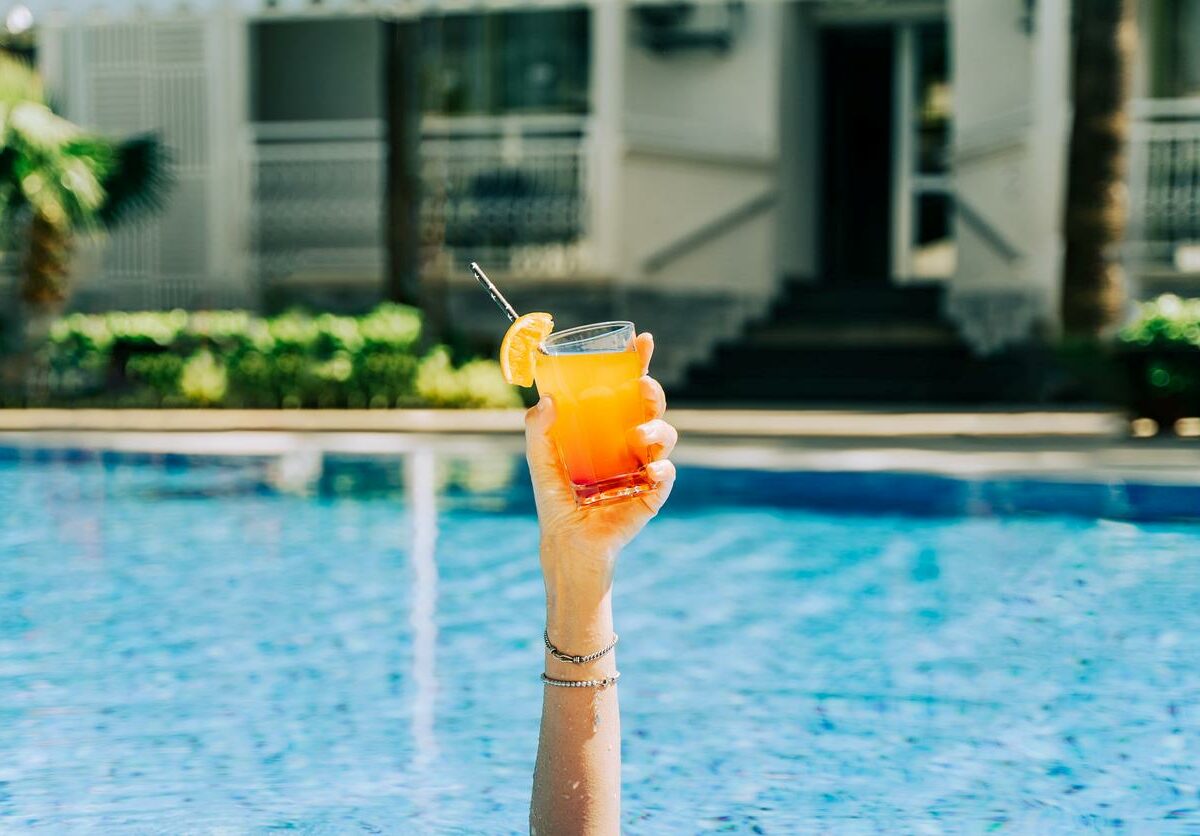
(577, 626)
(579, 631)
(578, 580)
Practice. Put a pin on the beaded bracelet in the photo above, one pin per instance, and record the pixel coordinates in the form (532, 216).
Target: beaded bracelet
(583, 683)
(576, 660)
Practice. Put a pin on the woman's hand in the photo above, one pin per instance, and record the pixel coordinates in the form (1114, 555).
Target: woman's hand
(580, 545)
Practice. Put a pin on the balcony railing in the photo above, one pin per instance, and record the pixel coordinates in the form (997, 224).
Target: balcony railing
(1164, 179)
(509, 192)
(318, 197)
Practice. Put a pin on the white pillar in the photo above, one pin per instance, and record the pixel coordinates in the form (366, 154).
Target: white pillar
(228, 184)
(604, 150)
(1048, 147)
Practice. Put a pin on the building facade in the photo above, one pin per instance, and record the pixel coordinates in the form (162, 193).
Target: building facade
(679, 164)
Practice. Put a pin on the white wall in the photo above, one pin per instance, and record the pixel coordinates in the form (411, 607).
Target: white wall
(701, 137)
(992, 59)
(700, 101)
(1009, 99)
(700, 141)
(179, 76)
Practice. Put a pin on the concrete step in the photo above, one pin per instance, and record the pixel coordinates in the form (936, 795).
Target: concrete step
(817, 334)
(823, 344)
(856, 304)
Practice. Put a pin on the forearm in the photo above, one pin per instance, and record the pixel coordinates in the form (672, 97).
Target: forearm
(577, 780)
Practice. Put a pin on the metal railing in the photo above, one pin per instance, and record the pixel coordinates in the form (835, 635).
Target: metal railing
(507, 191)
(1164, 185)
(318, 199)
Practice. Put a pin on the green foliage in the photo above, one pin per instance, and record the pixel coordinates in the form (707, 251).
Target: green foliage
(1161, 353)
(47, 165)
(1165, 321)
(137, 182)
(203, 380)
(235, 359)
(51, 168)
(475, 384)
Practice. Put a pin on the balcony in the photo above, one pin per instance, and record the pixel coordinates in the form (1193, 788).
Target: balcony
(509, 192)
(318, 202)
(1163, 241)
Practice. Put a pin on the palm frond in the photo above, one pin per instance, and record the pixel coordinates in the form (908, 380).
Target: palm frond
(137, 181)
(35, 125)
(19, 82)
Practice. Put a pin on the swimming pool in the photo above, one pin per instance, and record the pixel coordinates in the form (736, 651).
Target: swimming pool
(186, 647)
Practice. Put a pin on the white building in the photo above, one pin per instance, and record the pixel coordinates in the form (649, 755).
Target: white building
(678, 165)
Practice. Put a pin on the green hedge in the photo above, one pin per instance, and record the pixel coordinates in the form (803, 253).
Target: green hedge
(236, 359)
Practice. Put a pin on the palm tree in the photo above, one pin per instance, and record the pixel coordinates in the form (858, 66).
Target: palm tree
(56, 182)
(1093, 292)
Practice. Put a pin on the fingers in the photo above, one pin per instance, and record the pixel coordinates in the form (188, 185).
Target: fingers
(653, 396)
(657, 438)
(662, 473)
(644, 343)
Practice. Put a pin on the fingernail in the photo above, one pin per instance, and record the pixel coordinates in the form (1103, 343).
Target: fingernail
(657, 470)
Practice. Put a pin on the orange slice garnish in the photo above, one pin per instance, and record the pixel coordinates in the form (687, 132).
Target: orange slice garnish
(519, 349)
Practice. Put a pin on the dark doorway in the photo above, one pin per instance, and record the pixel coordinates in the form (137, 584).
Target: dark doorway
(857, 65)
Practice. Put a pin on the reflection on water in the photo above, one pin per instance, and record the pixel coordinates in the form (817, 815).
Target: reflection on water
(185, 645)
(423, 508)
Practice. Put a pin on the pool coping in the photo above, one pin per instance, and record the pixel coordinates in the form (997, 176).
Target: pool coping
(1086, 459)
(726, 423)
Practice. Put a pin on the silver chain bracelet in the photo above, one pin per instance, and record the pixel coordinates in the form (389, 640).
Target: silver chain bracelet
(577, 660)
(583, 683)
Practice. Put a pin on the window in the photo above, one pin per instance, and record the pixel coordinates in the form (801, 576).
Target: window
(1174, 39)
(505, 62)
(314, 70)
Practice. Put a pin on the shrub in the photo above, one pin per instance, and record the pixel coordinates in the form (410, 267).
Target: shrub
(236, 359)
(1160, 348)
(475, 384)
(1165, 321)
(203, 380)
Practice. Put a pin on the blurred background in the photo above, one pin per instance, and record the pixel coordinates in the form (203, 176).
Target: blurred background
(944, 251)
(831, 201)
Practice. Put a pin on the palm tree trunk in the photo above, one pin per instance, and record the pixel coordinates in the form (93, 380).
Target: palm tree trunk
(47, 264)
(1093, 291)
(44, 287)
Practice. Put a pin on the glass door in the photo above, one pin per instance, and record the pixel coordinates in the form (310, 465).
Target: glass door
(923, 246)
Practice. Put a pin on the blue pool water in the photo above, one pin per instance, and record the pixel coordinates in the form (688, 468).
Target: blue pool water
(185, 648)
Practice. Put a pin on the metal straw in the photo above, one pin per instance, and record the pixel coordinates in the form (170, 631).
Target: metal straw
(494, 292)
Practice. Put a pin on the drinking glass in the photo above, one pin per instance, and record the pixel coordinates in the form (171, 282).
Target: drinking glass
(592, 372)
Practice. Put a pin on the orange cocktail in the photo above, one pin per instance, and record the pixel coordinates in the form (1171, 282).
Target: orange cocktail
(593, 375)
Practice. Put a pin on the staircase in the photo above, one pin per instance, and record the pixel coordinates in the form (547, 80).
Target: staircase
(868, 344)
